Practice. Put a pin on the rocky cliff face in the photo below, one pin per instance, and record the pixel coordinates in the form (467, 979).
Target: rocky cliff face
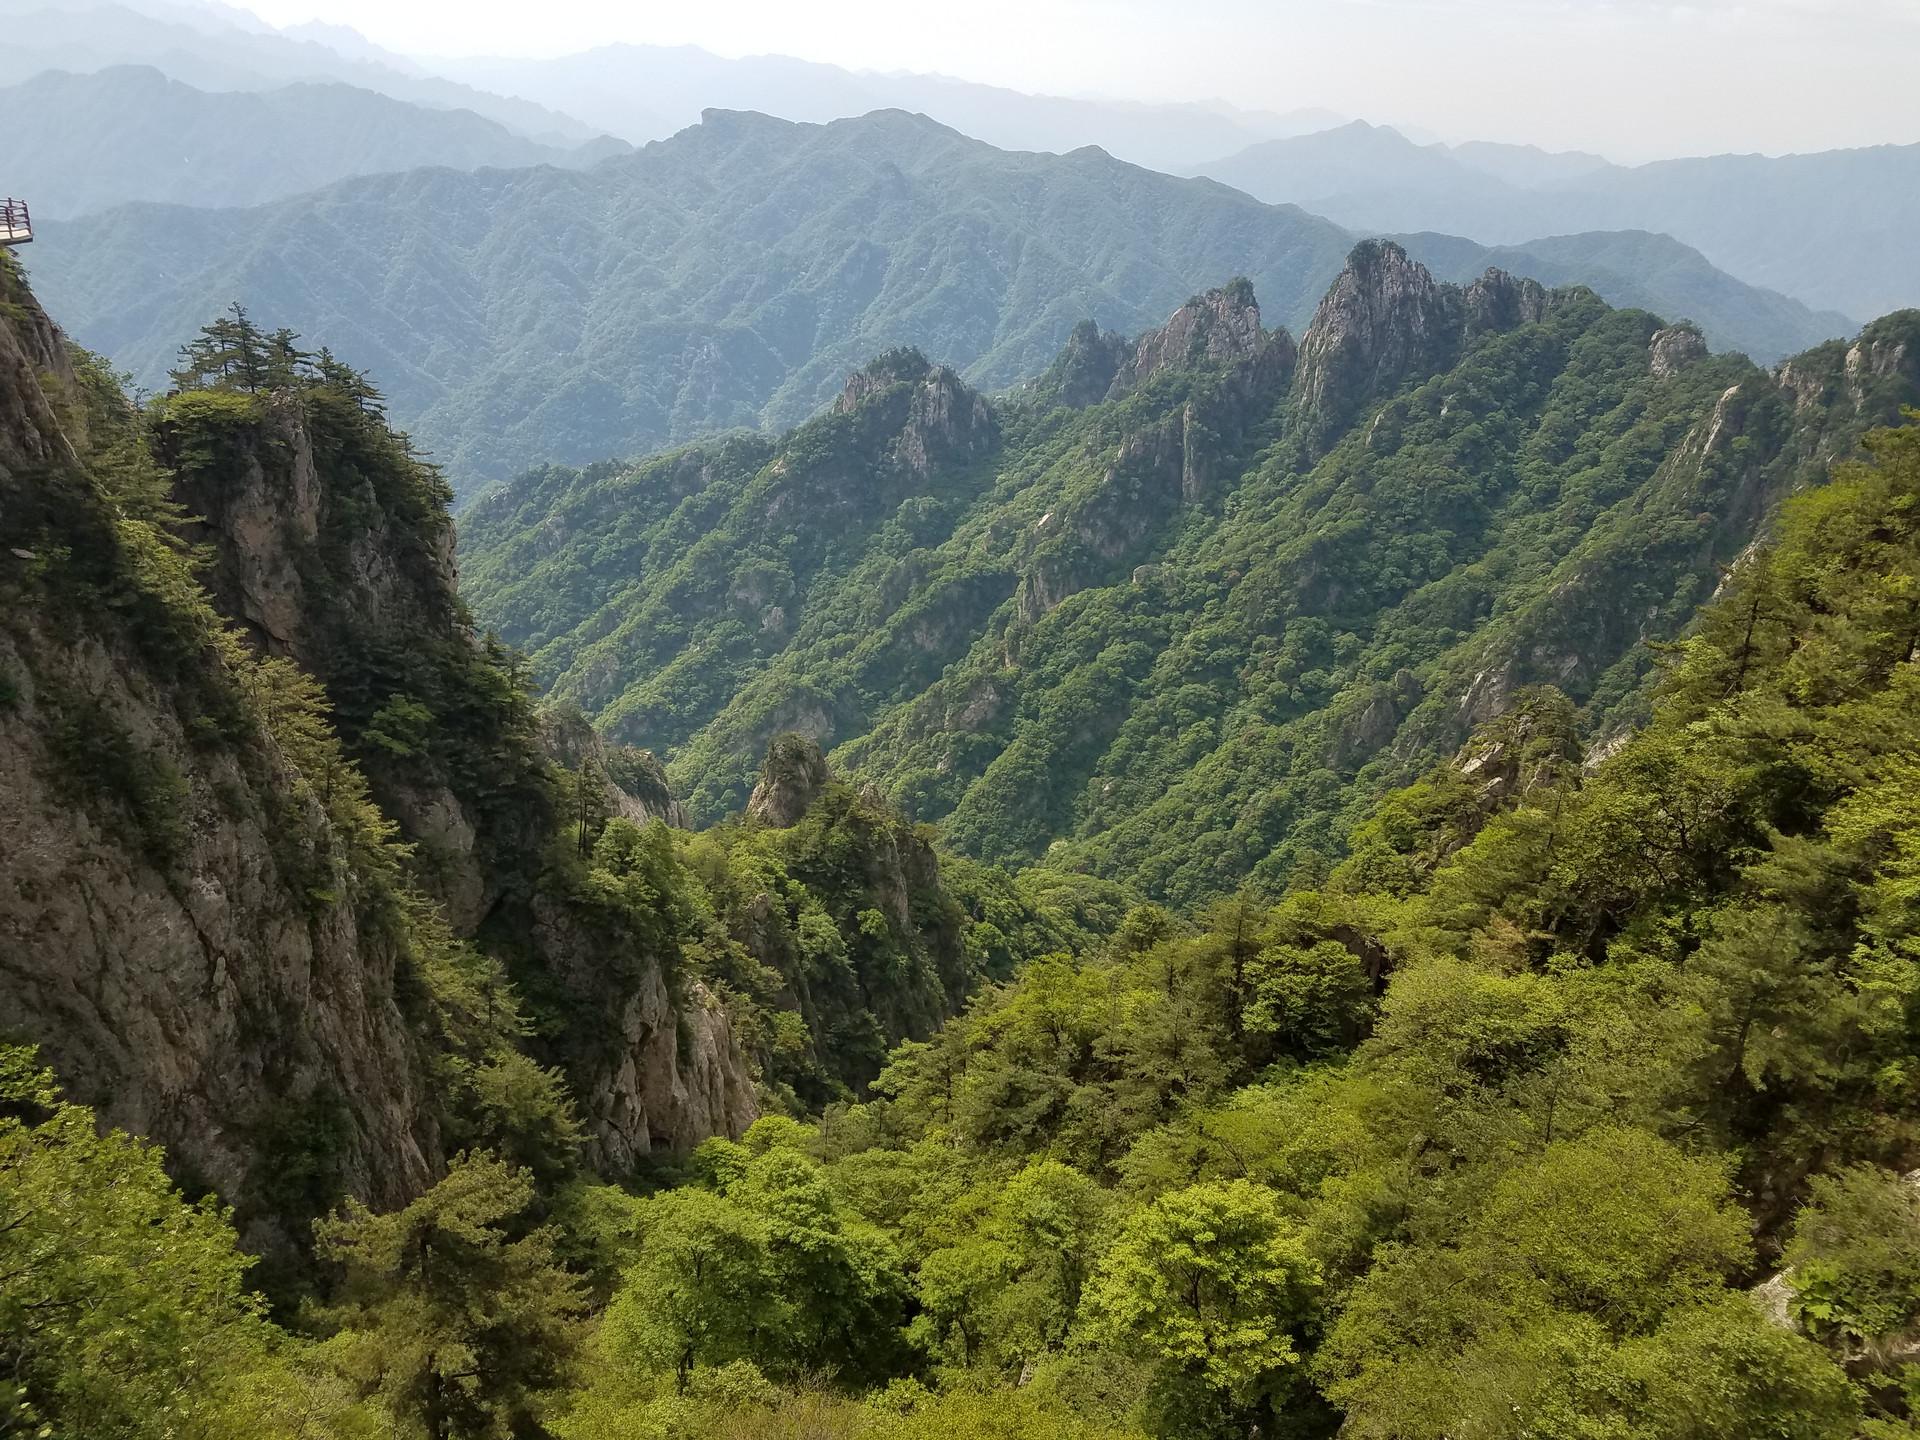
(792, 777)
(627, 783)
(182, 930)
(331, 545)
(1384, 319)
(1221, 327)
(202, 950)
(654, 1065)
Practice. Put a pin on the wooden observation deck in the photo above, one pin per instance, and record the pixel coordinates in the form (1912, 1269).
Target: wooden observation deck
(16, 225)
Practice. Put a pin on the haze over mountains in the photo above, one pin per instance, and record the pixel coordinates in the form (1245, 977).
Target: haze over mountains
(647, 92)
(214, 48)
(1831, 229)
(81, 143)
(655, 326)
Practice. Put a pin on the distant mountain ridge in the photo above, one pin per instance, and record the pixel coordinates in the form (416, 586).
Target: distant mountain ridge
(648, 92)
(81, 143)
(211, 48)
(1832, 229)
(729, 276)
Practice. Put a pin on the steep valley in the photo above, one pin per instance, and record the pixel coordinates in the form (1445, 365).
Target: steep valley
(297, 881)
(1353, 887)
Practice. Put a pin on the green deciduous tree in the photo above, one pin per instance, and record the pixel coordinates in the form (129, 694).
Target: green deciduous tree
(454, 1311)
(1212, 1285)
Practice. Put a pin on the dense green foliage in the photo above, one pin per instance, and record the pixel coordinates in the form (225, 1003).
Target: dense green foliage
(1487, 1125)
(729, 276)
(1641, 1028)
(1170, 639)
(1567, 1092)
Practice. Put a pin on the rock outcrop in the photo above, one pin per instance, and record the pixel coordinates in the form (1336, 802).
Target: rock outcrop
(1221, 327)
(1387, 321)
(792, 777)
(631, 782)
(1234, 372)
(1086, 369)
(1673, 349)
(331, 545)
(1498, 302)
(655, 1067)
(931, 416)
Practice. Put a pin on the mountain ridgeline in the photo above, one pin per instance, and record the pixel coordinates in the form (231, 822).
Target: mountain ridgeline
(1173, 613)
(732, 275)
(82, 143)
(1825, 228)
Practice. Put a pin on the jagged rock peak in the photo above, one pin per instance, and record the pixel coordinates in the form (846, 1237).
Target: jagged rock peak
(1498, 301)
(903, 366)
(941, 417)
(1673, 349)
(791, 778)
(1085, 369)
(1385, 318)
(1221, 327)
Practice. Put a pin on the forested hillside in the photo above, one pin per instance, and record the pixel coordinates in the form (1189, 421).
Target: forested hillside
(1175, 613)
(299, 882)
(733, 275)
(1576, 1099)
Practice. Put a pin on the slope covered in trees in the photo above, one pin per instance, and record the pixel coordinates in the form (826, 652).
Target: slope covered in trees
(1176, 611)
(300, 884)
(1579, 1099)
(731, 276)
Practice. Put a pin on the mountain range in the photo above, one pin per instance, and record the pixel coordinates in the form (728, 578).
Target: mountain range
(1823, 229)
(648, 92)
(732, 275)
(81, 143)
(1345, 873)
(1828, 229)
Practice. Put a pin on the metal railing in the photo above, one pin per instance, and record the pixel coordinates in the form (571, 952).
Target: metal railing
(16, 225)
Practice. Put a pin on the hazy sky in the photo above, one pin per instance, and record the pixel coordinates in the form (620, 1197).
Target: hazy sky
(1632, 78)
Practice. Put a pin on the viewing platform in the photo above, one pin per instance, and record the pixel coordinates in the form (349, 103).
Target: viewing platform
(16, 225)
